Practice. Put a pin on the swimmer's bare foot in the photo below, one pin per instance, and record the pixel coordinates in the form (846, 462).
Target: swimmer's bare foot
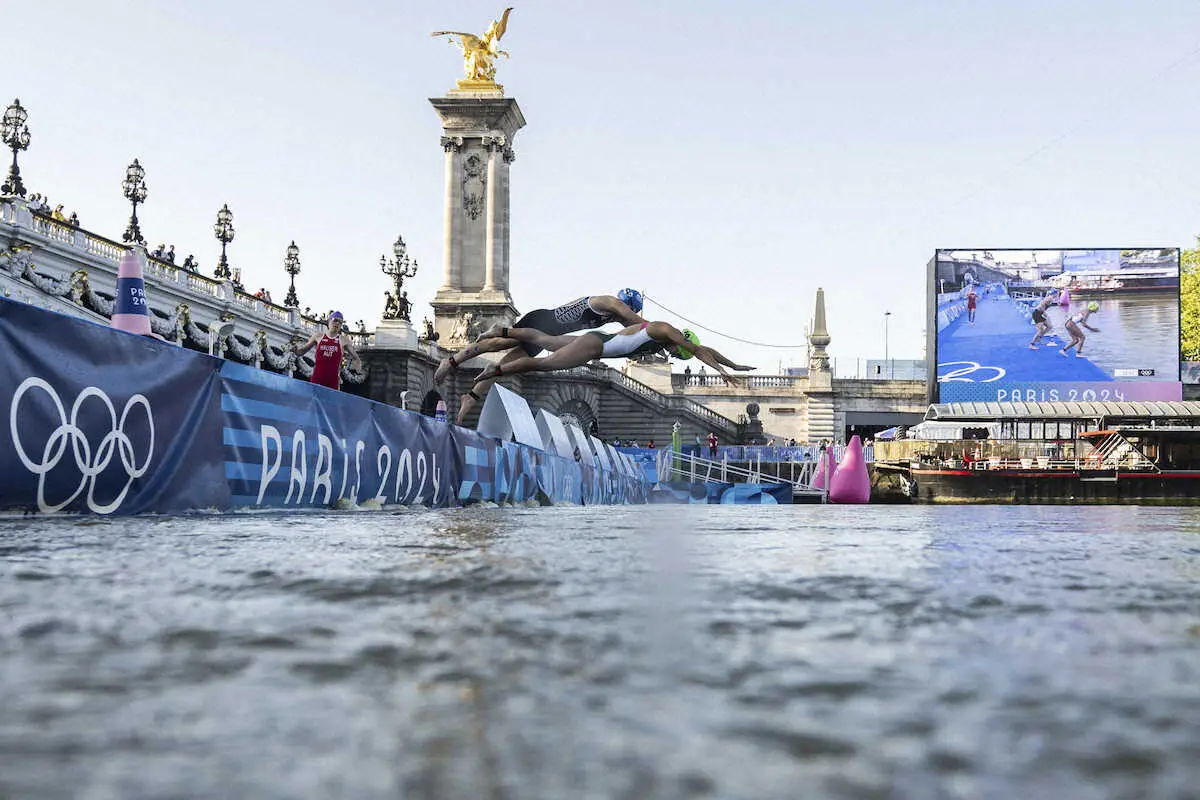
(488, 373)
(497, 331)
(447, 366)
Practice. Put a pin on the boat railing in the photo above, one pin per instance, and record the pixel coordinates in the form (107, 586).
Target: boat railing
(1044, 464)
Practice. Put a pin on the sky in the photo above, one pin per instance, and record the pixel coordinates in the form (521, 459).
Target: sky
(726, 159)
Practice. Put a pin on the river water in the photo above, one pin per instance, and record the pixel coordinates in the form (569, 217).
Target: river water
(665, 651)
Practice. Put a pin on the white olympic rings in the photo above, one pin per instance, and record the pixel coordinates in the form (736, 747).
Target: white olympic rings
(970, 368)
(91, 463)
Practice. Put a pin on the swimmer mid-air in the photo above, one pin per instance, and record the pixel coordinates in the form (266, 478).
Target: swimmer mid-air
(578, 315)
(573, 351)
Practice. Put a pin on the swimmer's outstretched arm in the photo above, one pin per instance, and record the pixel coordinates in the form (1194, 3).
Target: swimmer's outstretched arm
(717, 361)
(717, 356)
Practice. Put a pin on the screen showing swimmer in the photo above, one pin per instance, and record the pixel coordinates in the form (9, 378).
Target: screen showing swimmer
(1055, 325)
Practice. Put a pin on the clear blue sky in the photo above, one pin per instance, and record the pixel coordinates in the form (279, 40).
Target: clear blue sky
(726, 158)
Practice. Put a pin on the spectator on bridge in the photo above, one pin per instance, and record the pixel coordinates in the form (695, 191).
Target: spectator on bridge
(687, 375)
(159, 251)
(170, 255)
(189, 263)
(58, 214)
(646, 338)
(712, 445)
(582, 314)
(73, 220)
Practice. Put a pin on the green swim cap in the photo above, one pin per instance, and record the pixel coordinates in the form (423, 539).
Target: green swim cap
(691, 337)
(1093, 306)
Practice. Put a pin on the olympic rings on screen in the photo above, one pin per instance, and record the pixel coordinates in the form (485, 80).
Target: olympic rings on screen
(90, 462)
(969, 369)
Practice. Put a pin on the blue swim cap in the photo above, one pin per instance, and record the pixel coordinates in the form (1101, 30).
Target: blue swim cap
(631, 298)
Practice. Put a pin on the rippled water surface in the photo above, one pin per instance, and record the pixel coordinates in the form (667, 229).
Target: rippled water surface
(668, 651)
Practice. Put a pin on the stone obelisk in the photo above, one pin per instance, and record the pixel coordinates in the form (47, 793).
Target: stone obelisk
(478, 126)
(819, 412)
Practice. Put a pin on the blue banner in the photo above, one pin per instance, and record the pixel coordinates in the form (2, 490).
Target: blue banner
(103, 421)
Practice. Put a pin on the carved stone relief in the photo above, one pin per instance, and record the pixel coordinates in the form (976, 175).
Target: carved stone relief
(473, 184)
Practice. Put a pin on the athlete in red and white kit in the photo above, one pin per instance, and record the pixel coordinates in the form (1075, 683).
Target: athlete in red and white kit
(327, 366)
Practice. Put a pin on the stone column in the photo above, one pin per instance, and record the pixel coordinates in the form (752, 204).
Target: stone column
(453, 270)
(493, 256)
(477, 130)
(509, 157)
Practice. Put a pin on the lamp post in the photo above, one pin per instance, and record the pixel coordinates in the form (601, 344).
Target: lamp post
(398, 269)
(291, 265)
(224, 233)
(16, 136)
(886, 357)
(134, 188)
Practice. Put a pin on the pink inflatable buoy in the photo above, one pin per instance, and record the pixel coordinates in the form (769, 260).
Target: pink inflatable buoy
(1064, 299)
(850, 482)
(825, 468)
(819, 478)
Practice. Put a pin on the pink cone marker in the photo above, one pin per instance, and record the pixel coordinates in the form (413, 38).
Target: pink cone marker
(130, 312)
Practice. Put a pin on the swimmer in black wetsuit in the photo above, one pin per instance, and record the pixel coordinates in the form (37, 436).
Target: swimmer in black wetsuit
(635, 340)
(1041, 319)
(578, 315)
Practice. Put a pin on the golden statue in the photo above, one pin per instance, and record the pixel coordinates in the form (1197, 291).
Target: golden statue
(479, 52)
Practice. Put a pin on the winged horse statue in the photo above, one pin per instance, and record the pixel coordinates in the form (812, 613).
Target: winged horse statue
(479, 52)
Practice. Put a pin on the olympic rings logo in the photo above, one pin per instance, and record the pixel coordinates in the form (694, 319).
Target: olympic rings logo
(968, 369)
(90, 463)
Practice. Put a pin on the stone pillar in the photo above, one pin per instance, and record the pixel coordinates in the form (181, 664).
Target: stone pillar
(452, 145)
(478, 128)
(505, 228)
(818, 405)
(492, 246)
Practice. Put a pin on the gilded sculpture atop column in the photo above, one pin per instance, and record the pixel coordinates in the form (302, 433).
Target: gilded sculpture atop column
(479, 53)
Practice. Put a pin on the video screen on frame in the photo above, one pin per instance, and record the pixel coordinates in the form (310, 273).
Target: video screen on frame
(1056, 325)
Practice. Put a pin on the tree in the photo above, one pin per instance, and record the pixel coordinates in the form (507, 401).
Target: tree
(1189, 303)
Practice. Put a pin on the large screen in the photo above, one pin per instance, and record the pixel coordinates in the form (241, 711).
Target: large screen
(1055, 325)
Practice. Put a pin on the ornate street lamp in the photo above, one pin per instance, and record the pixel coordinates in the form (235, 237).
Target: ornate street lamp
(224, 233)
(291, 265)
(397, 307)
(134, 188)
(16, 136)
